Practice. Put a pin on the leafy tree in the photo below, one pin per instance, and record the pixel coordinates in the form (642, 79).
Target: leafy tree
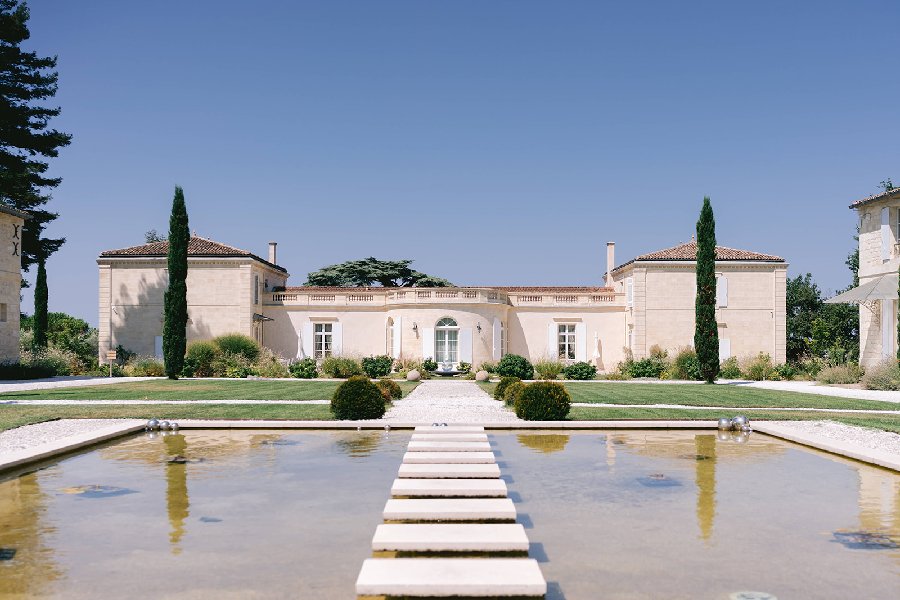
(26, 141)
(151, 236)
(887, 185)
(370, 272)
(68, 333)
(175, 301)
(40, 307)
(816, 329)
(706, 332)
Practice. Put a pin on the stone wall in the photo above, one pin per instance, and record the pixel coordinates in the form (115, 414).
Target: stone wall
(10, 285)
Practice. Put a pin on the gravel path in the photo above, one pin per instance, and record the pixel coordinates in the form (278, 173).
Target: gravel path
(811, 387)
(449, 402)
(30, 436)
(870, 439)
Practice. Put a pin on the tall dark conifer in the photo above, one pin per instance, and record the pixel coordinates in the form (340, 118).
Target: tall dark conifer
(41, 296)
(175, 308)
(26, 141)
(706, 332)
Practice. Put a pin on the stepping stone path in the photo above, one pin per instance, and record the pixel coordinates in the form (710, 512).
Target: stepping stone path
(450, 499)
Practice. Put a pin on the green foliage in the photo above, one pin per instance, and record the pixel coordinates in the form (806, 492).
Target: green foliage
(548, 369)
(580, 370)
(490, 367)
(236, 366)
(647, 367)
(390, 388)
(40, 307)
(429, 365)
(151, 236)
(464, 367)
(238, 343)
(340, 367)
(269, 365)
(198, 361)
(760, 367)
(10, 371)
(686, 366)
(175, 300)
(543, 401)
(377, 366)
(817, 329)
(145, 366)
(371, 271)
(26, 141)
(706, 332)
(841, 374)
(501, 387)
(305, 368)
(513, 365)
(65, 332)
(512, 392)
(357, 398)
(883, 376)
(730, 369)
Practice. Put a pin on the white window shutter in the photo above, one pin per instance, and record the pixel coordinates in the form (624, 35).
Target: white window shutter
(497, 335)
(629, 291)
(427, 342)
(397, 335)
(306, 341)
(158, 346)
(580, 342)
(465, 345)
(887, 329)
(337, 342)
(724, 349)
(885, 234)
(722, 291)
(552, 341)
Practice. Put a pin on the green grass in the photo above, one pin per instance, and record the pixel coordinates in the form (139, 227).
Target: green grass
(16, 416)
(187, 389)
(733, 396)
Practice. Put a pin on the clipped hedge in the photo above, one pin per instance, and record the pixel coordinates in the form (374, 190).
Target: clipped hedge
(580, 370)
(339, 367)
(513, 365)
(501, 387)
(357, 398)
(377, 366)
(390, 388)
(543, 401)
(512, 393)
(11, 371)
(199, 358)
(238, 343)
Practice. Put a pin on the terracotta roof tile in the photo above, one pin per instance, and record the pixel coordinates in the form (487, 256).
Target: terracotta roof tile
(197, 246)
(688, 251)
(879, 196)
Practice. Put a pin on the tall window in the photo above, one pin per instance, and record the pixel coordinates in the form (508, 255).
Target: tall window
(322, 340)
(502, 339)
(446, 341)
(3, 313)
(256, 289)
(390, 337)
(566, 337)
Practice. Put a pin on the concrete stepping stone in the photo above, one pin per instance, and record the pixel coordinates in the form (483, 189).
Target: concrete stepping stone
(449, 437)
(456, 509)
(448, 577)
(448, 458)
(448, 447)
(455, 537)
(447, 471)
(450, 429)
(449, 488)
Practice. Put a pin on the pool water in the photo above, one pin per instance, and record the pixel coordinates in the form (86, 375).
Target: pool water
(612, 515)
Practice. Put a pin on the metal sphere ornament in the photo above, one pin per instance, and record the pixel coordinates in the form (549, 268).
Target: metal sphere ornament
(164, 425)
(724, 424)
(387, 427)
(723, 436)
(152, 425)
(739, 438)
(173, 426)
(738, 422)
(746, 429)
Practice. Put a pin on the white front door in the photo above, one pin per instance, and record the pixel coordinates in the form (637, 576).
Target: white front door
(446, 344)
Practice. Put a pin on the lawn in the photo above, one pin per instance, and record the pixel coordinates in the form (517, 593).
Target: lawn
(734, 396)
(188, 389)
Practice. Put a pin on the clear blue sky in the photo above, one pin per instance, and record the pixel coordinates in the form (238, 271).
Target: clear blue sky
(493, 142)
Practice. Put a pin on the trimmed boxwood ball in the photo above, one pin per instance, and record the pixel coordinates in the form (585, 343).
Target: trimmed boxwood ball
(513, 365)
(357, 398)
(512, 392)
(391, 388)
(580, 370)
(543, 401)
(501, 387)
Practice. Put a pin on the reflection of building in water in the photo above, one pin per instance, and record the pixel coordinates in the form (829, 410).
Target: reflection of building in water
(23, 529)
(610, 452)
(359, 445)
(664, 444)
(706, 483)
(177, 502)
(879, 501)
(548, 443)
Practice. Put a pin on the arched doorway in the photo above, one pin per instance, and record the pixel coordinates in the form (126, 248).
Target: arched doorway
(446, 343)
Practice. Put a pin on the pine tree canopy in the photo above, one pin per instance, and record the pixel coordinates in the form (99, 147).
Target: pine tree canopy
(370, 272)
(26, 141)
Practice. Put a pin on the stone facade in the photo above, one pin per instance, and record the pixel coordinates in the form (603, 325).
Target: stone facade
(11, 222)
(451, 325)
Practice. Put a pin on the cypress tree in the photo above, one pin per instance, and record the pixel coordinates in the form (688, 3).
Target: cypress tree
(175, 304)
(898, 315)
(706, 332)
(40, 307)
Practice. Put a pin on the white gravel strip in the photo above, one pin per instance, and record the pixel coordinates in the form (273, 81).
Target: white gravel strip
(31, 436)
(733, 409)
(65, 382)
(861, 443)
(449, 402)
(811, 387)
(123, 402)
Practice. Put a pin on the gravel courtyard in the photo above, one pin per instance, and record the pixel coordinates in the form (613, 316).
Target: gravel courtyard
(439, 401)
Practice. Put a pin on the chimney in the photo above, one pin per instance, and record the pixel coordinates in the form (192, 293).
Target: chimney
(273, 254)
(610, 262)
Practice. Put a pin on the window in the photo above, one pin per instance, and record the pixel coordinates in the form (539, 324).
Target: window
(389, 350)
(502, 339)
(256, 289)
(446, 341)
(629, 291)
(566, 339)
(631, 337)
(721, 291)
(322, 340)
(3, 313)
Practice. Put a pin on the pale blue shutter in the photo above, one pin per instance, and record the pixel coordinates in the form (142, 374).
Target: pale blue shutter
(427, 342)
(497, 333)
(306, 341)
(885, 234)
(553, 341)
(337, 341)
(398, 332)
(722, 291)
(580, 342)
(465, 345)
